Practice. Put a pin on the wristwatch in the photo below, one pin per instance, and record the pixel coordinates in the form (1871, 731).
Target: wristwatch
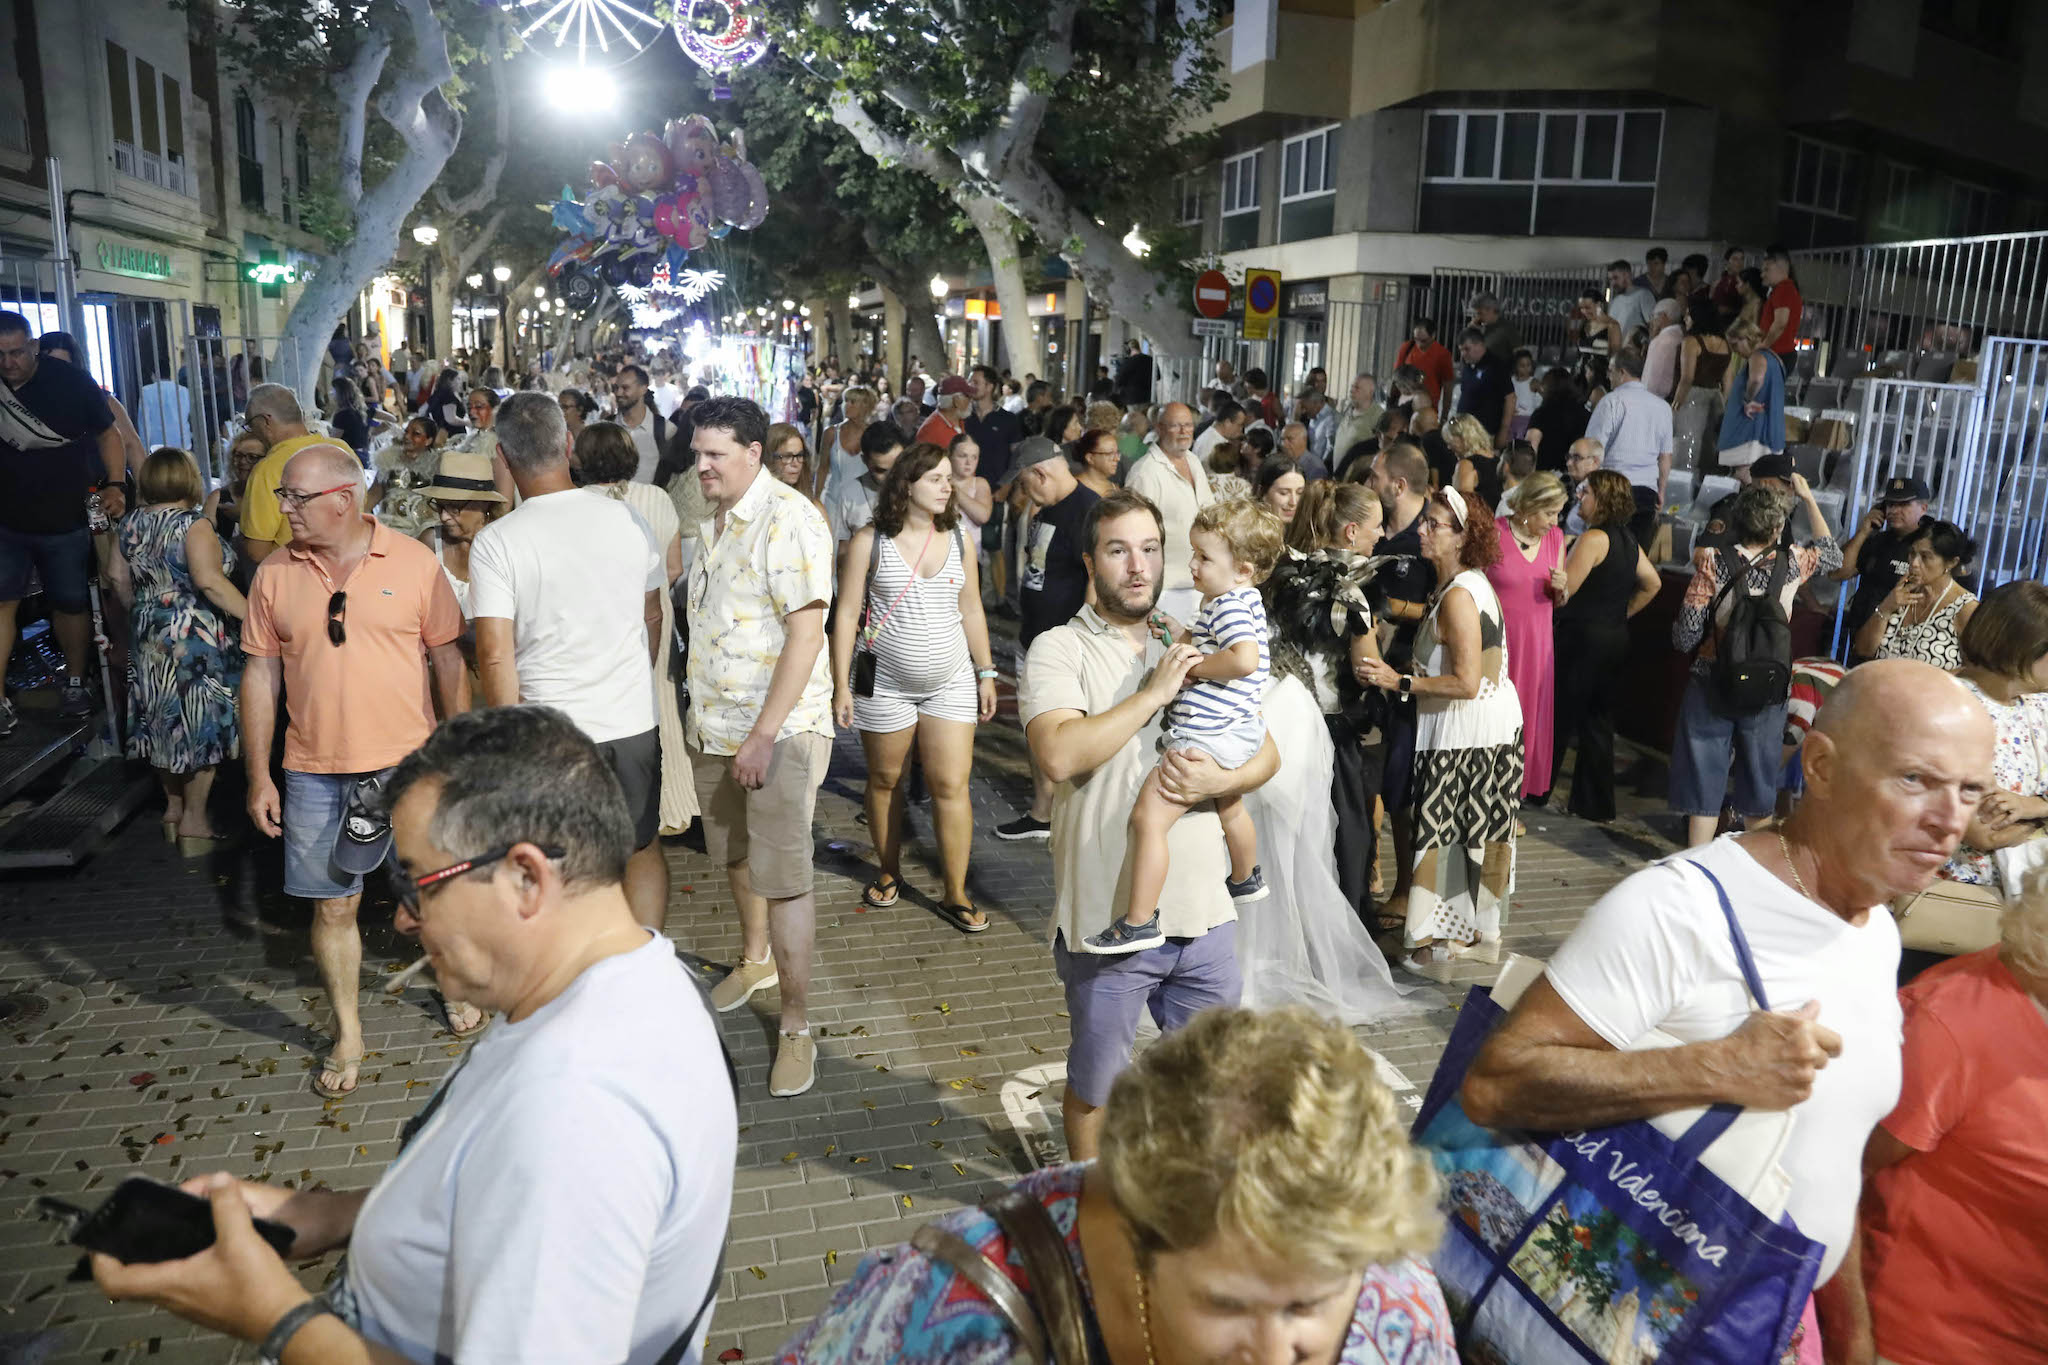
(985, 674)
(1407, 685)
(272, 1350)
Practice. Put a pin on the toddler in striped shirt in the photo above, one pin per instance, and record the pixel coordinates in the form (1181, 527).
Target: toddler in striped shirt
(1236, 544)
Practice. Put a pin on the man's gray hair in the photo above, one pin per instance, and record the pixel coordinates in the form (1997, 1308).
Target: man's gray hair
(532, 432)
(1486, 301)
(1629, 361)
(276, 402)
(1592, 445)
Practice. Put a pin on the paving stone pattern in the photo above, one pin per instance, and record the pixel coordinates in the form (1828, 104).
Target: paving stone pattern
(184, 1016)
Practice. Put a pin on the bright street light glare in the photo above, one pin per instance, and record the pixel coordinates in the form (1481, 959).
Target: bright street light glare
(426, 234)
(788, 304)
(501, 273)
(583, 90)
(540, 291)
(475, 281)
(939, 287)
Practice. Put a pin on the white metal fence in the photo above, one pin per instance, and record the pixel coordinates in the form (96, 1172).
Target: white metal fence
(1982, 447)
(1540, 303)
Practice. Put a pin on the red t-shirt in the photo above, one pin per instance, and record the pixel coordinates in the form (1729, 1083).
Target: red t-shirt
(1784, 294)
(1956, 1236)
(1434, 360)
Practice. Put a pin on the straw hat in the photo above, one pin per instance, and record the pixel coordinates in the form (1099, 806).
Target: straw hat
(465, 477)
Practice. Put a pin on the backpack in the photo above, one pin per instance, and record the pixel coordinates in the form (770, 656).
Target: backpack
(1752, 667)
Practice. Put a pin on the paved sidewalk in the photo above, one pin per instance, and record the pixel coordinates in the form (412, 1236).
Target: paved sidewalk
(183, 1017)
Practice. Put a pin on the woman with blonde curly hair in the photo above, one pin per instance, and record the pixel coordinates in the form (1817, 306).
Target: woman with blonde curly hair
(1257, 1197)
(1479, 472)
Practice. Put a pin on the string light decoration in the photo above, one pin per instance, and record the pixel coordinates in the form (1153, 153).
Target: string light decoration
(720, 36)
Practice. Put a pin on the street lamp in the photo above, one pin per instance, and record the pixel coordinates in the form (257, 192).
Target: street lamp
(426, 234)
(540, 291)
(788, 305)
(501, 273)
(939, 287)
(475, 281)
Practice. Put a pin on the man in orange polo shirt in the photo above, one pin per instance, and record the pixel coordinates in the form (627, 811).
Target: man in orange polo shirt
(345, 621)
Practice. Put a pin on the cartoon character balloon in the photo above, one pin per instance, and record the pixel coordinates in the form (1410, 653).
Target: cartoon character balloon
(656, 199)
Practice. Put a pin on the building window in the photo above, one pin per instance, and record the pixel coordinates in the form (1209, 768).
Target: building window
(1308, 166)
(1902, 210)
(147, 111)
(1187, 194)
(1969, 209)
(247, 155)
(1530, 171)
(1241, 184)
(1819, 178)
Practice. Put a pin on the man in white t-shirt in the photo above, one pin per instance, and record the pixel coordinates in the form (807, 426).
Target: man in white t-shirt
(563, 1196)
(1895, 765)
(566, 595)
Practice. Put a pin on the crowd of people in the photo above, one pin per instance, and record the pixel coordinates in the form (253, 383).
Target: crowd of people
(453, 628)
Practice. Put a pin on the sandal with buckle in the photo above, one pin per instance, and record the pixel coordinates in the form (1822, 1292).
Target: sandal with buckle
(881, 893)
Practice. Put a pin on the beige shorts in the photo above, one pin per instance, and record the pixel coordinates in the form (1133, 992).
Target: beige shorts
(770, 829)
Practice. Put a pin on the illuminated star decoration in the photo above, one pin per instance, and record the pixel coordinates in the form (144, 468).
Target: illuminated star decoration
(602, 21)
(696, 284)
(631, 293)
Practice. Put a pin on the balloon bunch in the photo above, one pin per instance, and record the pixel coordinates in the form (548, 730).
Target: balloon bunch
(657, 200)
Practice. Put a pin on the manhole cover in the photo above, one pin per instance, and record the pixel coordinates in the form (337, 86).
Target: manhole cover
(22, 1007)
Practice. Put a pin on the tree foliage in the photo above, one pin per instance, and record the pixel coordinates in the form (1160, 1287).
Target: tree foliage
(1073, 114)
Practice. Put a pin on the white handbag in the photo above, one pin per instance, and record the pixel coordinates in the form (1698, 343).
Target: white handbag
(1747, 1157)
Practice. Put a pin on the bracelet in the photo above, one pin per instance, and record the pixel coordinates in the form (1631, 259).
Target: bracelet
(272, 1351)
(985, 674)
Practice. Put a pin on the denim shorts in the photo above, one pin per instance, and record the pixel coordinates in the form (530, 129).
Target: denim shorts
(1707, 742)
(313, 806)
(63, 561)
(1232, 748)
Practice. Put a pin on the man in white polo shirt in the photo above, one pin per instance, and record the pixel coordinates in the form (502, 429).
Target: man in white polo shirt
(1093, 699)
(1634, 427)
(566, 595)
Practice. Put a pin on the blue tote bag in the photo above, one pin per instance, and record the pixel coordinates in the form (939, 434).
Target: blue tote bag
(1610, 1245)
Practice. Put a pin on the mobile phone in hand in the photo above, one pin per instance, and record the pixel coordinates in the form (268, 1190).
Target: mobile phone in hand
(145, 1221)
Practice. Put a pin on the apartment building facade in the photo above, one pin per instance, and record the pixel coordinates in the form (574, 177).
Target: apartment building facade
(1366, 146)
(184, 185)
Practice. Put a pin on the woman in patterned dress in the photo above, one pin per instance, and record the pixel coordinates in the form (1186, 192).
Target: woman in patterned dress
(171, 568)
(1923, 616)
(1468, 746)
(1257, 1195)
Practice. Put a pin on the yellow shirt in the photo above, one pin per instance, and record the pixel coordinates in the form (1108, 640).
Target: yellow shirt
(774, 558)
(262, 518)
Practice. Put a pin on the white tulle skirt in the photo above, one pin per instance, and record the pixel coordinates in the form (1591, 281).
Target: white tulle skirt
(1303, 945)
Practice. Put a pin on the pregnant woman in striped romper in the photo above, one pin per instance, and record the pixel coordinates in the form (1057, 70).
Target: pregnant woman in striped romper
(909, 599)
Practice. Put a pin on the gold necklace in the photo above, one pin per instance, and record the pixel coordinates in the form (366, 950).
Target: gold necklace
(1144, 1316)
(1792, 867)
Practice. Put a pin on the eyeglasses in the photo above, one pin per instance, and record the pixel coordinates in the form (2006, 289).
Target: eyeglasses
(337, 609)
(412, 890)
(1431, 523)
(293, 497)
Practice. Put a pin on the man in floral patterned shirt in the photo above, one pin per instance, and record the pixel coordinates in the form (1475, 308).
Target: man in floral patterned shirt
(760, 723)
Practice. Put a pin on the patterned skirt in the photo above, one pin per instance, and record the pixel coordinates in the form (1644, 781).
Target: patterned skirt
(1465, 802)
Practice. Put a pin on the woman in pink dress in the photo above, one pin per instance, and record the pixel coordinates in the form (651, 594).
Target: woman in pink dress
(1530, 582)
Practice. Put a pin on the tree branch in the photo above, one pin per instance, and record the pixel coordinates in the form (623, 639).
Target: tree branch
(1051, 53)
(352, 95)
(884, 146)
(501, 127)
(482, 240)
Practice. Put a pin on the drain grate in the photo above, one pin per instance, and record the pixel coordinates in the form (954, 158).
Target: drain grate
(22, 1007)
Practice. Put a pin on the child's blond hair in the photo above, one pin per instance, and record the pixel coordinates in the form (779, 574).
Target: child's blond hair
(1253, 531)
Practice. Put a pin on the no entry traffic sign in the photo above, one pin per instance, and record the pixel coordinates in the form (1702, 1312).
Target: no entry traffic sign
(1212, 294)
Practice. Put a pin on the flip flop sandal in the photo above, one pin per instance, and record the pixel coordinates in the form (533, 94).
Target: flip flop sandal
(881, 893)
(956, 915)
(348, 1068)
(462, 1035)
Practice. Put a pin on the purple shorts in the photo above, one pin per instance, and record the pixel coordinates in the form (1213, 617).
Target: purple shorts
(1106, 994)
